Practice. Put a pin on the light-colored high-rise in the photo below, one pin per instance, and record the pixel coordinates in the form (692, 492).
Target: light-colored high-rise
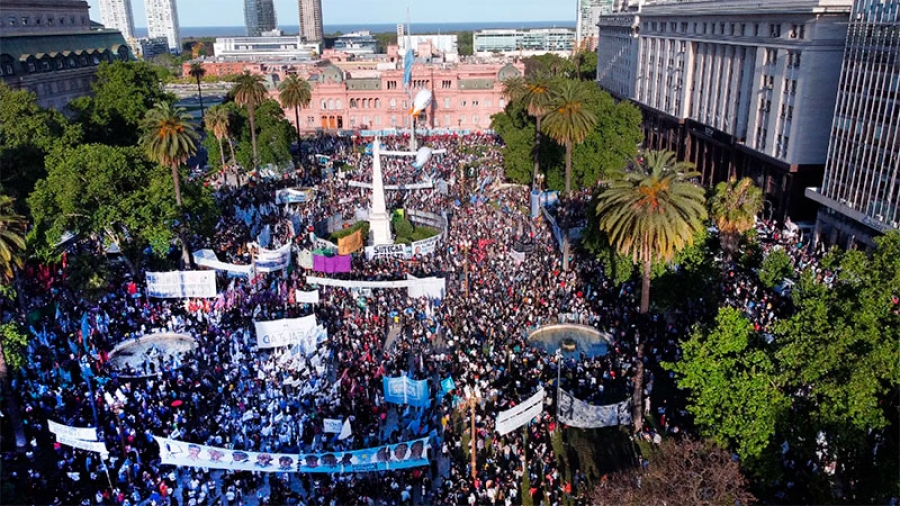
(311, 20)
(162, 21)
(861, 188)
(117, 15)
(586, 15)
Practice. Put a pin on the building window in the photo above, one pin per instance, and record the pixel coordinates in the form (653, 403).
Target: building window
(378, 103)
(12, 21)
(445, 85)
(756, 30)
(393, 103)
(392, 85)
(501, 103)
(338, 104)
(25, 20)
(774, 30)
(462, 119)
(446, 103)
(353, 103)
(771, 56)
(475, 120)
(487, 103)
(324, 104)
(310, 120)
(793, 59)
(393, 121)
(62, 21)
(378, 119)
(49, 21)
(462, 103)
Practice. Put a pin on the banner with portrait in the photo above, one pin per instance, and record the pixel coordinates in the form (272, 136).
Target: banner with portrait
(381, 458)
(515, 417)
(426, 246)
(181, 284)
(402, 390)
(577, 413)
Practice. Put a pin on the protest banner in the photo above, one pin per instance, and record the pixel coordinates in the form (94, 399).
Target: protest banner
(412, 186)
(402, 390)
(433, 288)
(332, 425)
(284, 332)
(517, 256)
(207, 258)
(388, 250)
(294, 195)
(323, 244)
(91, 446)
(82, 433)
(580, 414)
(403, 455)
(308, 297)
(329, 265)
(350, 243)
(269, 260)
(513, 418)
(305, 259)
(426, 246)
(181, 284)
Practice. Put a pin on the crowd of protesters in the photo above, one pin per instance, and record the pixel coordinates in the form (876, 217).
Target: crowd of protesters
(229, 393)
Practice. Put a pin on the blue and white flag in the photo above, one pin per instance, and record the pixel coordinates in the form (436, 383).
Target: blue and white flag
(403, 390)
(448, 385)
(408, 60)
(577, 413)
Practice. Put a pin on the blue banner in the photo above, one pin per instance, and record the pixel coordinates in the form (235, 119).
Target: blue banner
(403, 390)
(408, 60)
(448, 384)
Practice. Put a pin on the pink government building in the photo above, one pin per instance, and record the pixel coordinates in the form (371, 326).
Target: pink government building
(369, 95)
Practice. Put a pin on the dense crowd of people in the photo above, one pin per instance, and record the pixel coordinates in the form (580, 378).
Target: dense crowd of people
(229, 393)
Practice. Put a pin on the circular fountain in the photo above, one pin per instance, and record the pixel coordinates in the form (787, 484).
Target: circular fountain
(571, 339)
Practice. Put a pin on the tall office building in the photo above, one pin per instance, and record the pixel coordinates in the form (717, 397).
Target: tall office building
(861, 188)
(737, 87)
(586, 15)
(162, 21)
(117, 15)
(259, 16)
(311, 20)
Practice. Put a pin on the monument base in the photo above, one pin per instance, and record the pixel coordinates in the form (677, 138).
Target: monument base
(380, 230)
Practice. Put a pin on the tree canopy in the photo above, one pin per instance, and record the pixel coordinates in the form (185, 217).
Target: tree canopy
(123, 93)
(113, 193)
(607, 148)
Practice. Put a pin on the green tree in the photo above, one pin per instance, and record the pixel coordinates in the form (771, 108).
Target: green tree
(12, 239)
(250, 92)
(465, 43)
(776, 266)
(27, 134)
(106, 192)
(734, 207)
(729, 374)
(295, 93)
(12, 349)
(838, 358)
(537, 94)
(197, 71)
(274, 134)
(649, 214)
(123, 93)
(217, 120)
(169, 137)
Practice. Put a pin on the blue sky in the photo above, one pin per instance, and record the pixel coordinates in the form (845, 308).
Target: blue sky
(231, 13)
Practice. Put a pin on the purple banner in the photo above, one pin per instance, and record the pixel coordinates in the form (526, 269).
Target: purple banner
(337, 263)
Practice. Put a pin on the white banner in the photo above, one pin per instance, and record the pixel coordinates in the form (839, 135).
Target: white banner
(513, 418)
(517, 256)
(388, 250)
(433, 288)
(207, 258)
(305, 259)
(426, 246)
(333, 425)
(346, 430)
(323, 244)
(310, 297)
(413, 186)
(284, 332)
(91, 446)
(270, 260)
(82, 433)
(181, 284)
(586, 416)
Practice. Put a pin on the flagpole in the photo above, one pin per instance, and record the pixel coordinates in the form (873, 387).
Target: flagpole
(558, 378)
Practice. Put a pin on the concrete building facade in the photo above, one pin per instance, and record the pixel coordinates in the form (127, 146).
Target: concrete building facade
(117, 15)
(737, 87)
(244, 49)
(860, 192)
(523, 42)
(50, 48)
(587, 12)
(311, 28)
(259, 17)
(162, 21)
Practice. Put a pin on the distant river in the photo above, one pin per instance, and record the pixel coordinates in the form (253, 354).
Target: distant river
(421, 28)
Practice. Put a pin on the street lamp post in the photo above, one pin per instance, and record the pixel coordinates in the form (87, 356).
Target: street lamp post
(473, 396)
(466, 245)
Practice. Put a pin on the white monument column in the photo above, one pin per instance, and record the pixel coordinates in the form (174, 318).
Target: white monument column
(379, 221)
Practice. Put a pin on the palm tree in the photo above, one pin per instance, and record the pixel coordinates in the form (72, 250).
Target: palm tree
(568, 121)
(734, 207)
(249, 92)
(217, 121)
(12, 238)
(537, 94)
(170, 137)
(197, 71)
(12, 245)
(649, 214)
(295, 93)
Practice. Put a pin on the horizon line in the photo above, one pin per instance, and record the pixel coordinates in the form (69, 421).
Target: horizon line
(572, 22)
